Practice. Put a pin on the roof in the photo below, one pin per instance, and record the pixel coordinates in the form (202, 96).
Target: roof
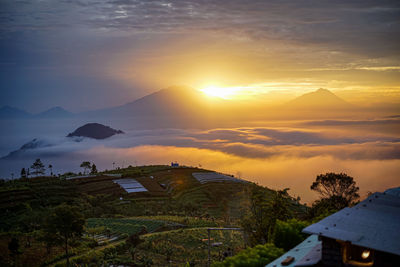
(373, 223)
(393, 191)
(306, 253)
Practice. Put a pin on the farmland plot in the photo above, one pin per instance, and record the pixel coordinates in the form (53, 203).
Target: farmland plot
(126, 225)
(213, 177)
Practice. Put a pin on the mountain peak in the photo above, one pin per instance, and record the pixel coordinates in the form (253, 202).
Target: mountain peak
(55, 112)
(321, 98)
(323, 90)
(8, 112)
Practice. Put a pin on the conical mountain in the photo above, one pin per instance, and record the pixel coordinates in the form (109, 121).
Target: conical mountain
(55, 112)
(175, 101)
(319, 99)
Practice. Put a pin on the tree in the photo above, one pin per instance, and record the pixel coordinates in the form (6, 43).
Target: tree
(279, 209)
(38, 167)
(23, 173)
(288, 234)
(29, 221)
(66, 223)
(340, 189)
(51, 169)
(94, 169)
(133, 241)
(86, 166)
(14, 248)
(264, 207)
(50, 239)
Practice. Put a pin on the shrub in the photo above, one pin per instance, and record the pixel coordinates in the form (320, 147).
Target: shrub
(288, 234)
(257, 256)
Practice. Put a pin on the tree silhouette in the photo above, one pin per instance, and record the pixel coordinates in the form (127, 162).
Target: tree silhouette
(23, 173)
(65, 223)
(94, 169)
(14, 248)
(51, 169)
(38, 167)
(86, 166)
(338, 189)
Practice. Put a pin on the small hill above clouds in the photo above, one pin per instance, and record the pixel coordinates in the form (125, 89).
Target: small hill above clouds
(55, 112)
(8, 112)
(95, 131)
(319, 99)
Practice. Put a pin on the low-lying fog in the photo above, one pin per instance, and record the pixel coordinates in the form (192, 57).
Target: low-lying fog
(275, 154)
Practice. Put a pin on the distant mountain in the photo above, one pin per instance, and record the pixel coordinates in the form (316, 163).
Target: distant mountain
(56, 112)
(319, 99)
(34, 144)
(95, 131)
(8, 112)
(175, 101)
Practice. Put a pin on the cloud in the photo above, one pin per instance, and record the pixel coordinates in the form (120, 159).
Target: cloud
(347, 25)
(394, 121)
(257, 142)
(275, 157)
(86, 47)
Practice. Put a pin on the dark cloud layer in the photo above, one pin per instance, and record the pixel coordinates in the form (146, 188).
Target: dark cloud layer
(362, 26)
(61, 48)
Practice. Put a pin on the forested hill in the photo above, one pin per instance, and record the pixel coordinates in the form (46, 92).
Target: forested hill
(114, 205)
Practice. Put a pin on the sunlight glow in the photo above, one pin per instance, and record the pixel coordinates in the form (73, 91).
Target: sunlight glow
(222, 92)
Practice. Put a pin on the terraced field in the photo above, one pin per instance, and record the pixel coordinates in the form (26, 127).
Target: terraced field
(214, 177)
(177, 248)
(98, 185)
(128, 226)
(177, 179)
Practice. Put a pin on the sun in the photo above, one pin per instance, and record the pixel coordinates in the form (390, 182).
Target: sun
(221, 92)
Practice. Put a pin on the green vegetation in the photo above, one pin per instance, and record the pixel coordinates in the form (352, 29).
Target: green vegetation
(337, 191)
(257, 256)
(288, 233)
(186, 220)
(58, 221)
(126, 226)
(64, 224)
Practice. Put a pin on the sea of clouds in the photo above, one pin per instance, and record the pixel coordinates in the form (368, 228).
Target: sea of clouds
(290, 155)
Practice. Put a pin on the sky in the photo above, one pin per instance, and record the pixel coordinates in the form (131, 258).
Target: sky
(89, 54)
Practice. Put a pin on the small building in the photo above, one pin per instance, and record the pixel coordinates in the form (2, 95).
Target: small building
(367, 234)
(174, 164)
